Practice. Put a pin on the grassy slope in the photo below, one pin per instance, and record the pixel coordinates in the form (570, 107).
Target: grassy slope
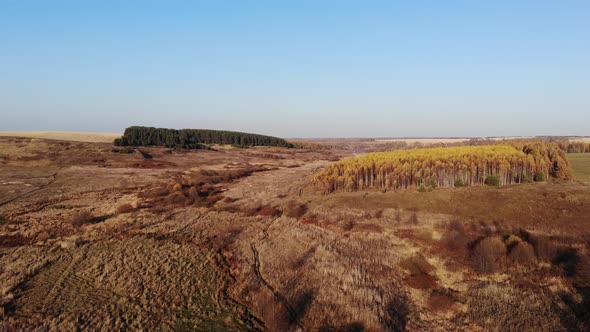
(580, 163)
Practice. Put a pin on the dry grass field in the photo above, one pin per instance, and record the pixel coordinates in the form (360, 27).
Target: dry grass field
(580, 163)
(64, 135)
(94, 238)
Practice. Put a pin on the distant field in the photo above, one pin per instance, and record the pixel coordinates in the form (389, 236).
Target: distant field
(65, 135)
(581, 139)
(580, 163)
(424, 140)
(444, 140)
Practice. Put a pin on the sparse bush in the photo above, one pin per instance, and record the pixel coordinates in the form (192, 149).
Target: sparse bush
(295, 210)
(378, 214)
(567, 259)
(2, 220)
(492, 180)
(544, 247)
(398, 216)
(348, 224)
(456, 225)
(125, 208)
(145, 154)
(454, 240)
(421, 188)
(126, 149)
(459, 183)
(512, 241)
(522, 253)
(176, 198)
(16, 240)
(416, 264)
(539, 177)
(263, 210)
(413, 220)
(210, 200)
(441, 300)
(228, 199)
(81, 218)
(489, 254)
(432, 183)
(419, 270)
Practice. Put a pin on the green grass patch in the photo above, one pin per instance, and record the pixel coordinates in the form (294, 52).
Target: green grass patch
(580, 164)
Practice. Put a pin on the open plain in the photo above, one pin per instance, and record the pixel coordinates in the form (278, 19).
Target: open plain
(241, 239)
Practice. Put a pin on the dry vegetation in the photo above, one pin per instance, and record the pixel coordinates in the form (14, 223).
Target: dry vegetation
(64, 135)
(239, 239)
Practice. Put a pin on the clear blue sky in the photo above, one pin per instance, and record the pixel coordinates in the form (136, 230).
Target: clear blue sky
(298, 68)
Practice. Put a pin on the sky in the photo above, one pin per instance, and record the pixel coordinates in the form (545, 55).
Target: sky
(298, 68)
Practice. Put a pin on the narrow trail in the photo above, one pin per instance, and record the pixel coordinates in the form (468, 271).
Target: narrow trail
(293, 315)
(290, 310)
(63, 279)
(219, 261)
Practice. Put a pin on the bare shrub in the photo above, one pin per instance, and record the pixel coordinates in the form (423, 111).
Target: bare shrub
(489, 254)
(455, 237)
(125, 208)
(176, 198)
(454, 240)
(544, 247)
(485, 229)
(82, 218)
(456, 225)
(441, 300)
(413, 220)
(311, 218)
(209, 201)
(229, 199)
(200, 189)
(398, 216)
(269, 211)
(378, 214)
(348, 224)
(522, 253)
(419, 270)
(295, 210)
(397, 310)
(512, 241)
(263, 210)
(16, 240)
(567, 259)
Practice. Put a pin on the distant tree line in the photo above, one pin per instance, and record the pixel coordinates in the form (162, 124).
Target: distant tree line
(193, 138)
(575, 147)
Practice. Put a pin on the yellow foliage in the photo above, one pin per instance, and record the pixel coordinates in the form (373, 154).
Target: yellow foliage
(442, 167)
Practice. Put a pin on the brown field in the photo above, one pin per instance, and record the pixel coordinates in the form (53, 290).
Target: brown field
(64, 135)
(241, 239)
